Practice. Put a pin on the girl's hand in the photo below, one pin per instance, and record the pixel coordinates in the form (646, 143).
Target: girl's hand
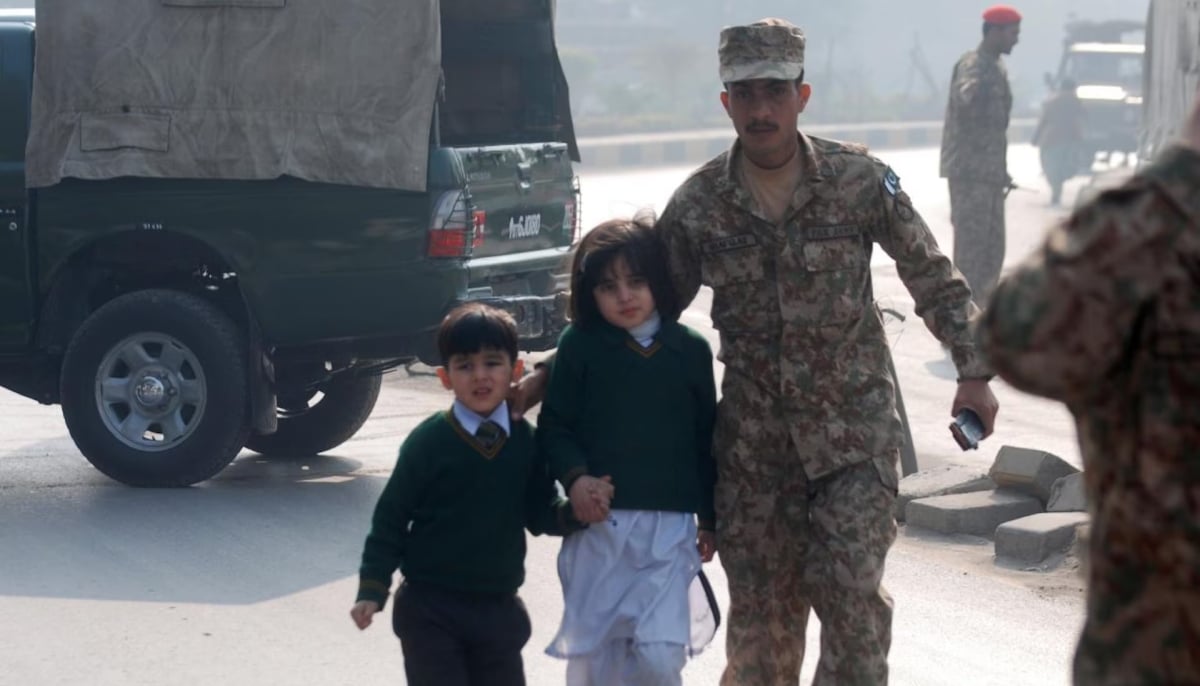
(362, 612)
(706, 543)
(590, 498)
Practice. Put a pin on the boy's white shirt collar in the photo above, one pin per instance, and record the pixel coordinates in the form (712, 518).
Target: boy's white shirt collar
(645, 332)
(471, 421)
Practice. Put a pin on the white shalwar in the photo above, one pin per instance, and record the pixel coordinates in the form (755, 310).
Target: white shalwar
(626, 617)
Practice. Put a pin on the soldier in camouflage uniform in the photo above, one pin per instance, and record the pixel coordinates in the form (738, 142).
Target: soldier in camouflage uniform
(975, 149)
(782, 227)
(1106, 318)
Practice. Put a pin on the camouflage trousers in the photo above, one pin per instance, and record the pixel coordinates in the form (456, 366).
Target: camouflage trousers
(789, 545)
(977, 213)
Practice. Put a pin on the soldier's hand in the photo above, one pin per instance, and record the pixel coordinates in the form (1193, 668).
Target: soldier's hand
(528, 392)
(976, 395)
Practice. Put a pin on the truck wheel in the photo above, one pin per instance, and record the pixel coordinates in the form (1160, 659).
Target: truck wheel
(309, 425)
(154, 389)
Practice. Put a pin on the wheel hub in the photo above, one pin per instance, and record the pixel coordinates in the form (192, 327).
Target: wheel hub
(152, 392)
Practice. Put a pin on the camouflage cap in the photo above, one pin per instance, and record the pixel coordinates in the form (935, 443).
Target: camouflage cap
(766, 49)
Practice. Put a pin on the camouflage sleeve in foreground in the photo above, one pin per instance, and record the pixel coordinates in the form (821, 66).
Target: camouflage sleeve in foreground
(1062, 321)
(682, 255)
(941, 294)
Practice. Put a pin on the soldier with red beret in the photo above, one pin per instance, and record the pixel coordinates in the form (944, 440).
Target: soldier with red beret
(1001, 15)
(975, 147)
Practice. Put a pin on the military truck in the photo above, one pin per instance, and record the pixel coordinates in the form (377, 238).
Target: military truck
(1104, 59)
(222, 220)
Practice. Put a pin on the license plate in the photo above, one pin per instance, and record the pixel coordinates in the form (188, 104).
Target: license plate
(524, 226)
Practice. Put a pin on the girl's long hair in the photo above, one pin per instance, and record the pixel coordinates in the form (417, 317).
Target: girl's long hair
(636, 241)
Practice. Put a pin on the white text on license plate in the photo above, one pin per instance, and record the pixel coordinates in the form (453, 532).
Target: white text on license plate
(526, 226)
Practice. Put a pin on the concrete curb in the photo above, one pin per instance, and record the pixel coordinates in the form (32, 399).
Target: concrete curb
(681, 148)
(1037, 537)
(1029, 471)
(944, 480)
(975, 514)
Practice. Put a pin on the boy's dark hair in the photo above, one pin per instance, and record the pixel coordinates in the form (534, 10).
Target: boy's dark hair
(472, 327)
(636, 241)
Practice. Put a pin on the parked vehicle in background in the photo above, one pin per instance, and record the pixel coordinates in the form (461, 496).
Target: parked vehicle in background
(197, 256)
(1105, 59)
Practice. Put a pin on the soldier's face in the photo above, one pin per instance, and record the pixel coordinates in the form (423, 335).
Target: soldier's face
(765, 112)
(1007, 37)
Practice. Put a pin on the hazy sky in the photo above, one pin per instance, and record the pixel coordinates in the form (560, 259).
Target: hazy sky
(872, 38)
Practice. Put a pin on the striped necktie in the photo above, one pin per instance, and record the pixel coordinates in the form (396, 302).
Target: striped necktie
(489, 434)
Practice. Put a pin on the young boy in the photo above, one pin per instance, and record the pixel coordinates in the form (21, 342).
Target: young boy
(467, 484)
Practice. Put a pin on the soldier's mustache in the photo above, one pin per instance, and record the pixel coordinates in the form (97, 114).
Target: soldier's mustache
(761, 127)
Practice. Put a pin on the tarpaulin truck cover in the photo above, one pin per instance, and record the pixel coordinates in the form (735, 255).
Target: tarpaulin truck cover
(337, 91)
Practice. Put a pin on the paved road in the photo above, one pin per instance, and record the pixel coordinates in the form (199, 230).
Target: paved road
(247, 579)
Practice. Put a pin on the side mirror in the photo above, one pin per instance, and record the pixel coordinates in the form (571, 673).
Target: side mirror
(1049, 79)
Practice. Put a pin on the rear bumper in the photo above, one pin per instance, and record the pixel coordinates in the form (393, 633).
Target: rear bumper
(531, 286)
(484, 270)
(540, 318)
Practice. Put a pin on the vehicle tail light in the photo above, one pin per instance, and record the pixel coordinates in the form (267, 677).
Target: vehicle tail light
(449, 233)
(479, 225)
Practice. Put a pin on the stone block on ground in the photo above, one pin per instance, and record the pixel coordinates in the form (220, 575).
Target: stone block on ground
(1067, 495)
(1034, 538)
(944, 480)
(977, 514)
(1029, 471)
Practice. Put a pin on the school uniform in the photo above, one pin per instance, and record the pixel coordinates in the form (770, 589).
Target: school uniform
(637, 406)
(452, 518)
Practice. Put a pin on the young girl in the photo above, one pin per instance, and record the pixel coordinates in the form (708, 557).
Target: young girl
(631, 398)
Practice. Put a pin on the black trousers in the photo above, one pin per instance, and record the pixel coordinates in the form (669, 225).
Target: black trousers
(452, 638)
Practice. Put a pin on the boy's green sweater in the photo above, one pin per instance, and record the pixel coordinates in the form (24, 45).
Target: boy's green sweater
(454, 514)
(641, 415)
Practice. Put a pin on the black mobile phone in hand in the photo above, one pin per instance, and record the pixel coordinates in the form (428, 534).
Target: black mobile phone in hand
(967, 429)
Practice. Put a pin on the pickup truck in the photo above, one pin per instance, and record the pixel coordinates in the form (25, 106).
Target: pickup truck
(1105, 60)
(180, 320)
